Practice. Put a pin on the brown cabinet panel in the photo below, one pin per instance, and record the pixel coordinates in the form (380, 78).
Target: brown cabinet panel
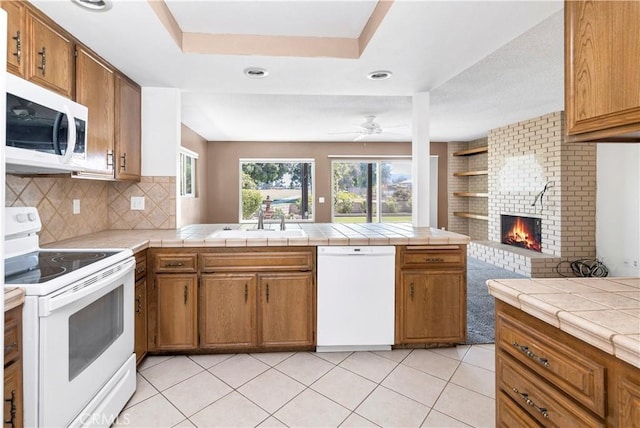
(543, 402)
(602, 65)
(95, 86)
(228, 311)
(50, 55)
(16, 36)
(287, 312)
(13, 396)
(140, 320)
(128, 133)
(232, 259)
(430, 257)
(510, 415)
(175, 262)
(432, 307)
(581, 377)
(629, 399)
(176, 316)
(12, 413)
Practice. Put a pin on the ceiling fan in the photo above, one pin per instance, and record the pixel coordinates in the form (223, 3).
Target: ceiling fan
(368, 127)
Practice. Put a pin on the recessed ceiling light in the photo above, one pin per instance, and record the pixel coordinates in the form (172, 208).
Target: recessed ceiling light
(255, 72)
(379, 75)
(94, 5)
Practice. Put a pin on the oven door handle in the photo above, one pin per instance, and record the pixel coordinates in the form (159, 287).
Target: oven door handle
(86, 287)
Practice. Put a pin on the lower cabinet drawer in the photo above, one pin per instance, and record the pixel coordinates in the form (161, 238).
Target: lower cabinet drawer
(511, 415)
(578, 376)
(425, 257)
(540, 400)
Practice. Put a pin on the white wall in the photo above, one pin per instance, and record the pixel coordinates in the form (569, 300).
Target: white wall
(160, 131)
(618, 208)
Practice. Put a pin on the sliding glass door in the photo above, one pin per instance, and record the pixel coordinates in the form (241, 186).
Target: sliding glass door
(371, 191)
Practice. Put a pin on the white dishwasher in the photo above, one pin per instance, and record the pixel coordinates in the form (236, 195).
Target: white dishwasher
(356, 295)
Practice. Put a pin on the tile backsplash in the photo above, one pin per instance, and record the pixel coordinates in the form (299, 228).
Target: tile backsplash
(159, 204)
(53, 196)
(103, 205)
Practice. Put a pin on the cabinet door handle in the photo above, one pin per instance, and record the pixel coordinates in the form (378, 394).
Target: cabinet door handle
(267, 292)
(123, 164)
(138, 304)
(434, 259)
(411, 290)
(525, 397)
(18, 52)
(12, 412)
(525, 350)
(186, 294)
(43, 60)
(246, 292)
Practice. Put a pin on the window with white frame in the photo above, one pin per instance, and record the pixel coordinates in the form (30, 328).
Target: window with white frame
(281, 187)
(188, 180)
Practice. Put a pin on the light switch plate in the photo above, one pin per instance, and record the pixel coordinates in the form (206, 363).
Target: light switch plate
(76, 206)
(137, 203)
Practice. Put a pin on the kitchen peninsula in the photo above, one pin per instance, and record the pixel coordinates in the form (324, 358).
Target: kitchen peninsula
(200, 292)
(567, 351)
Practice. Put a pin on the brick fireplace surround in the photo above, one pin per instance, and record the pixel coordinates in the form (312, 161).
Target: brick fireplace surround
(522, 158)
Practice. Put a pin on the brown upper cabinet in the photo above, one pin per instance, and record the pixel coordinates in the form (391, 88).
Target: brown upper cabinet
(602, 70)
(16, 35)
(44, 53)
(128, 136)
(95, 88)
(37, 50)
(114, 102)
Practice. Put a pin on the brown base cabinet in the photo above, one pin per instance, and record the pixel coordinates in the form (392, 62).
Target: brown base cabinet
(12, 412)
(546, 377)
(431, 295)
(140, 307)
(232, 299)
(177, 311)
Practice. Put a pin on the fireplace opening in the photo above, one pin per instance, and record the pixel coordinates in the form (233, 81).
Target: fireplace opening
(523, 232)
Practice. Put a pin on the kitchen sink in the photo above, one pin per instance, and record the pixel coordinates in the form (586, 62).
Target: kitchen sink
(258, 233)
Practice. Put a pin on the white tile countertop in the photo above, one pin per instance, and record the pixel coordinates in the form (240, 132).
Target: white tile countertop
(604, 312)
(199, 235)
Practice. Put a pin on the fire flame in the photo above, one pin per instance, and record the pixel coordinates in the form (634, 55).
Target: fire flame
(521, 236)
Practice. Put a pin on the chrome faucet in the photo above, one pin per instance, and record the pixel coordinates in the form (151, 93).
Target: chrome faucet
(282, 225)
(260, 219)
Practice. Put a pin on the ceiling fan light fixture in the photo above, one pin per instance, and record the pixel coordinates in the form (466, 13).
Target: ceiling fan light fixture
(94, 5)
(379, 75)
(256, 72)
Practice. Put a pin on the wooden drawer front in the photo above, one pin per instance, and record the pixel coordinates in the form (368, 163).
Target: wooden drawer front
(542, 401)
(580, 377)
(11, 338)
(141, 266)
(262, 261)
(176, 262)
(425, 258)
(510, 415)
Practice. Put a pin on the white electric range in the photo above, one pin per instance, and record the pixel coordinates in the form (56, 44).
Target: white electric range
(78, 329)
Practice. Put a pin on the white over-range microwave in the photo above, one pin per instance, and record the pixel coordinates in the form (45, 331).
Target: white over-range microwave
(46, 132)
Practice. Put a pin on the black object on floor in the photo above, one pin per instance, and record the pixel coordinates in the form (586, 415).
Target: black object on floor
(480, 304)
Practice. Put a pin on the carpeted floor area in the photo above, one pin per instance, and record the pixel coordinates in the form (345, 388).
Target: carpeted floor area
(480, 306)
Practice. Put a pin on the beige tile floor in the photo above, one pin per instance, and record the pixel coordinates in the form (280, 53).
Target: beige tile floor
(448, 387)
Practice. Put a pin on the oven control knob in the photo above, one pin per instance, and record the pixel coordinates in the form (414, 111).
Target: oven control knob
(32, 217)
(22, 217)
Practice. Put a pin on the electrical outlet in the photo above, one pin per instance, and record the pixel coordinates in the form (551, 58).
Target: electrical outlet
(76, 206)
(321, 200)
(137, 203)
